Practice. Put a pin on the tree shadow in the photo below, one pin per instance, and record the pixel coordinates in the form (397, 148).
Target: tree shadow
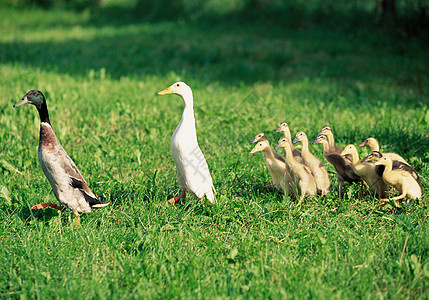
(249, 44)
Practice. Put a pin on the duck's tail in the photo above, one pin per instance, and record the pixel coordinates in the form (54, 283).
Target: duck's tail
(210, 195)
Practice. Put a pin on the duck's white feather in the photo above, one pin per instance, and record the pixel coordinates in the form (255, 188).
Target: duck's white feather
(193, 172)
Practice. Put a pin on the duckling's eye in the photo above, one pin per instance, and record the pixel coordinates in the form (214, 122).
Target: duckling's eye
(177, 84)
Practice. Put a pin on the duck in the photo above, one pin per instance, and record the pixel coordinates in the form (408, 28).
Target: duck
(327, 131)
(317, 168)
(366, 171)
(372, 143)
(301, 173)
(259, 137)
(343, 166)
(282, 180)
(284, 127)
(68, 184)
(193, 174)
(406, 181)
(375, 156)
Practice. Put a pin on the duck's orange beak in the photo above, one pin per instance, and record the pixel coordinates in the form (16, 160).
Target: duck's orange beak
(165, 92)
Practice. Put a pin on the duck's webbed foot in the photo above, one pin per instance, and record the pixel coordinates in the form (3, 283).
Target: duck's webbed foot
(175, 199)
(48, 204)
(77, 215)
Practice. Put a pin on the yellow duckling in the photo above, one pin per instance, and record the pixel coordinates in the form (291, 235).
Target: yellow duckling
(327, 131)
(372, 143)
(301, 173)
(406, 181)
(259, 137)
(342, 165)
(318, 170)
(276, 166)
(284, 127)
(366, 171)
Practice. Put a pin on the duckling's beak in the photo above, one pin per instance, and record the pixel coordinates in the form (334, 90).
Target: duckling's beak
(316, 141)
(362, 144)
(279, 129)
(166, 91)
(23, 101)
(344, 153)
(295, 140)
(377, 163)
(254, 150)
(253, 141)
(277, 146)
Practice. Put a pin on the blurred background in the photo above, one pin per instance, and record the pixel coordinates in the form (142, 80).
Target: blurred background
(407, 18)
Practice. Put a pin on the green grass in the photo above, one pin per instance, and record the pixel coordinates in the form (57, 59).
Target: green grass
(100, 80)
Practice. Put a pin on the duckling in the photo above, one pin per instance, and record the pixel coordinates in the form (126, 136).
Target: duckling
(327, 131)
(68, 184)
(259, 137)
(276, 166)
(407, 182)
(375, 156)
(193, 172)
(343, 166)
(372, 143)
(302, 173)
(318, 170)
(284, 127)
(366, 171)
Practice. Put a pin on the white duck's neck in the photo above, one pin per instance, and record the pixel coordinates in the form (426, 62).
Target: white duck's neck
(188, 111)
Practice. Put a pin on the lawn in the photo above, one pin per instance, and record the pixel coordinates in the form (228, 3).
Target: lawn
(100, 72)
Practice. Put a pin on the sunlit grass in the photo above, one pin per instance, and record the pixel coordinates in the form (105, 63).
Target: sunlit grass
(100, 82)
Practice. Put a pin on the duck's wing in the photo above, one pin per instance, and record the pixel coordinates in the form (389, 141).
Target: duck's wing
(279, 157)
(78, 182)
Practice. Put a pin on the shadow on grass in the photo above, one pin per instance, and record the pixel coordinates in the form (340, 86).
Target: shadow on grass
(247, 45)
(41, 215)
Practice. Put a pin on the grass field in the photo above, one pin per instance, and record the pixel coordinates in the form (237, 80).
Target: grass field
(100, 80)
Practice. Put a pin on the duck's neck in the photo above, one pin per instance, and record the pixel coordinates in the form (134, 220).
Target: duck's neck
(388, 167)
(288, 153)
(304, 143)
(188, 111)
(43, 113)
(355, 157)
(374, 146)
(287, 133)
(331, 139)
(268, 152)
(325, 147)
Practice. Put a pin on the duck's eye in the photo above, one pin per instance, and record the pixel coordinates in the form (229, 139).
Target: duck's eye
(177, 84)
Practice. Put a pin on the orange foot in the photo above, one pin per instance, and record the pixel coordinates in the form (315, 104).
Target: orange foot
(175, 199)
(77, 218)
(48, 204)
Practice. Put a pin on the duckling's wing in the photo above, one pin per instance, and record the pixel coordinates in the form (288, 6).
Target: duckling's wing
(307, 169)
(406, 168)
(279, 157)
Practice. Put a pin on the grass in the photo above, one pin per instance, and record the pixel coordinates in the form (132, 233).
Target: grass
(100, 80)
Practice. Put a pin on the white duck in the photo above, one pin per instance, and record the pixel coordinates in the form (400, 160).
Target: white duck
(193, 173)
(68, 184)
